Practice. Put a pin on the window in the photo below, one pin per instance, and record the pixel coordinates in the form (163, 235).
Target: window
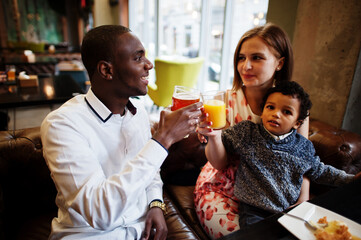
(190, 28)
(179, 25)
(246, 15)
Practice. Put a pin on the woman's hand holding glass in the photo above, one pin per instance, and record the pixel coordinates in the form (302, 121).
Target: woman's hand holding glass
(205, 129)
(213, 115)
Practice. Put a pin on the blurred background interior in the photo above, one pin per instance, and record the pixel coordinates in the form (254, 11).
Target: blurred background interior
(43, 38)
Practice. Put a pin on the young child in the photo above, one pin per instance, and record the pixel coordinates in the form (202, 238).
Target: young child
(272, 156)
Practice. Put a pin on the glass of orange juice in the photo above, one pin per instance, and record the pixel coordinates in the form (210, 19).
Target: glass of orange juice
(184, 96)
(214, 104)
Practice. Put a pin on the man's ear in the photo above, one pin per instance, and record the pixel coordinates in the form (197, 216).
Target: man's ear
(105, 69)
(298, 124)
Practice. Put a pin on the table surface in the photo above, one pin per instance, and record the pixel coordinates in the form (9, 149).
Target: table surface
(345, 200)
(51, 90)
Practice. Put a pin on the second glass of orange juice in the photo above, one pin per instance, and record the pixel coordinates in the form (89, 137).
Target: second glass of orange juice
(214, 104)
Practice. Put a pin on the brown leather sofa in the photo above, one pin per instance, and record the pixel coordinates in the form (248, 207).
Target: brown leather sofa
(27, 192)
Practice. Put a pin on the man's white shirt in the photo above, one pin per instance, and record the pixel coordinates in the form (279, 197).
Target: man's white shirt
(105, 168)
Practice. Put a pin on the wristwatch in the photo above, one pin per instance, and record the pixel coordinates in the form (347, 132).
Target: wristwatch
(158, 204)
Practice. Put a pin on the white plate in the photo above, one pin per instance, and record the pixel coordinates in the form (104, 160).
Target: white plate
(313, 212)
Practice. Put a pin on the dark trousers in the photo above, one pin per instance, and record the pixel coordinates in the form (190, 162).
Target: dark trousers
(249, 215)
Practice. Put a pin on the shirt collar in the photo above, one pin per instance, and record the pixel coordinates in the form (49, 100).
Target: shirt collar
(278, 138)
(100, 109)
(131, 107)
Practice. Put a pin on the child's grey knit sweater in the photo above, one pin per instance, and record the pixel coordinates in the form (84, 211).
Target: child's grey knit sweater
(270, 172)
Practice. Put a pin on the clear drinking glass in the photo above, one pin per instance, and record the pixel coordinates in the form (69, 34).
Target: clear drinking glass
(214, 104)
(11, 73)
(184, 96)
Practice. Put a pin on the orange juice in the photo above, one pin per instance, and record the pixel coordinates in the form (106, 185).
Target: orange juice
(216, 110)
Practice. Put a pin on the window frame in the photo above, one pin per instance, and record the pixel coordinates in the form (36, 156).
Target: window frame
(204, 44)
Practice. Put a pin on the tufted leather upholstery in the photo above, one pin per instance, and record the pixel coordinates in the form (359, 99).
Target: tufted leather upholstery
(27, 193)
(336, 147)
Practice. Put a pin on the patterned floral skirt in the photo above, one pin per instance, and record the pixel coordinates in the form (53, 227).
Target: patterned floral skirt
(215, 203)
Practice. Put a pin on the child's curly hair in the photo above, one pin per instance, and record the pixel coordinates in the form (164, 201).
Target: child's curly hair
(293, 89)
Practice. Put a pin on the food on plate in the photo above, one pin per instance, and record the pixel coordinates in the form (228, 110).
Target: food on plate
(333, 230)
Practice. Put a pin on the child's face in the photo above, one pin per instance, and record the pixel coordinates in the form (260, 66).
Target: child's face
(280, 113)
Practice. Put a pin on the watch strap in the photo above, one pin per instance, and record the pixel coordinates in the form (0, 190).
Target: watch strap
(158, 204)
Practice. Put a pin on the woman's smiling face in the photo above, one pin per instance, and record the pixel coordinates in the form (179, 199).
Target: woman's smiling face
(257, 63)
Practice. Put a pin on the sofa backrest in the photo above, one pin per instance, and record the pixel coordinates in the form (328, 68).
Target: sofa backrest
(335, 146)
(26, 188)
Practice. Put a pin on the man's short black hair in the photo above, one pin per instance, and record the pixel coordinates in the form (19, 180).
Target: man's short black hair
(99, 44)
(293, 89)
